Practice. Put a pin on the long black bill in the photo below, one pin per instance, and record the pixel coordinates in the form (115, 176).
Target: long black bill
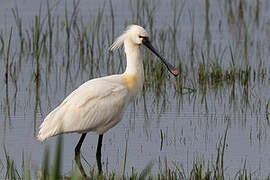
(170, 67)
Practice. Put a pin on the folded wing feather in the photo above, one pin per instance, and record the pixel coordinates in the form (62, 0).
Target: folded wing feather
(96, 105)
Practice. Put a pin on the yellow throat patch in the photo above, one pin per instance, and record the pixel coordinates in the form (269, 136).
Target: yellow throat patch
(130, 81)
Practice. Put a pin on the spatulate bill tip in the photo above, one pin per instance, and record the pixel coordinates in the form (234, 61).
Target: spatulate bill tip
(175, 72)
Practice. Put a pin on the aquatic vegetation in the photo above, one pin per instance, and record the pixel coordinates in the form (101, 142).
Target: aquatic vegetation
(200, 170)
(88, 39)
(221, 53)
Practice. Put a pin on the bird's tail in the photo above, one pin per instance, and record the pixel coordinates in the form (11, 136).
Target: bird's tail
(48, 128)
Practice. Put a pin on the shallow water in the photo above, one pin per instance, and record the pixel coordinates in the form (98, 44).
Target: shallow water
(192, 123)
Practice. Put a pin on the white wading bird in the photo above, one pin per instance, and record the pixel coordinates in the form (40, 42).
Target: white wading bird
(98, 104)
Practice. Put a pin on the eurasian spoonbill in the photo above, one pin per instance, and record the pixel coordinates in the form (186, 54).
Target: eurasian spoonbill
(98, 104)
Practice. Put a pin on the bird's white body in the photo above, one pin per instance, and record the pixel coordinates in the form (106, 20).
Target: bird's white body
(98, 104)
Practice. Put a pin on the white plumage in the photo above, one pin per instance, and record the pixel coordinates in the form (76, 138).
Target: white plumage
(98, 104)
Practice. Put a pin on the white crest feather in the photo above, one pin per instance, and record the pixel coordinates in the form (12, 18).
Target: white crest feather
(131, 29)
(118, 42)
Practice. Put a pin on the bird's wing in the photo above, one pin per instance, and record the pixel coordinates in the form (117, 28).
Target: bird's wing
(95, 106)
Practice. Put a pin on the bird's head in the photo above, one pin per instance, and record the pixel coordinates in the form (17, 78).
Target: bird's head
(133, 34)
(137, 35)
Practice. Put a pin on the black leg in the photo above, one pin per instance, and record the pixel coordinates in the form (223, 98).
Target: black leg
(77, 155)
(78, 146)
(98, 153)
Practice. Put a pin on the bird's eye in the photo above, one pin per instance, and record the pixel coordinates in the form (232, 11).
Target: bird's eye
(141, 36)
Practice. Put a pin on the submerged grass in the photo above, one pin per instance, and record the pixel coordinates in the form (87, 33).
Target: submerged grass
(199, 171)
(84, 42)
(61, 45)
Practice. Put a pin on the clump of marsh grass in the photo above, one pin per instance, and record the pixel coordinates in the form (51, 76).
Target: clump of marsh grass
(11, 170)
(18, 22)
(7, 44)
(52, 171)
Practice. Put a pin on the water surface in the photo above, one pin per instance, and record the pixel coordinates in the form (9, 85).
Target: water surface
(191, 122)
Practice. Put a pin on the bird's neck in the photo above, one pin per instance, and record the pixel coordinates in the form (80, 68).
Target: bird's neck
(134, 68)
(134, 60)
